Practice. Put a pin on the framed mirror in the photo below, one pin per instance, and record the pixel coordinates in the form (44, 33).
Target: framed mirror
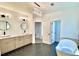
(4, 25)
(24, 26)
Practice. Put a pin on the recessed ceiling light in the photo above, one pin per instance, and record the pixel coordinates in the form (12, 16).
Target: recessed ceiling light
(52, 4)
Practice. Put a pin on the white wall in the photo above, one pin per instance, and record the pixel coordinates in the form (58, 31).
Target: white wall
(69, 23)
(15, 22)
(37, 19)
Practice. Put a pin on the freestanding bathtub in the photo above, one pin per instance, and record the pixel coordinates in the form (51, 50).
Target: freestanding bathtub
(67, 47)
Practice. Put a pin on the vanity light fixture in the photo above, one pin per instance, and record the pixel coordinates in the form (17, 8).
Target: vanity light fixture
(22, 18)
(8, 15)
(5, 15)
(52, 4)
(2, 15)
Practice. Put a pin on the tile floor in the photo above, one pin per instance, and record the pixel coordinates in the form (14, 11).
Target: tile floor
(37, 40)
(38, 49)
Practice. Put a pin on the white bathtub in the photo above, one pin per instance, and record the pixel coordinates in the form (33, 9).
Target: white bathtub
(67, 47)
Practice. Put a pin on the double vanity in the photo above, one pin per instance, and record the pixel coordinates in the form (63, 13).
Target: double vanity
(12, 41)
(8, 44)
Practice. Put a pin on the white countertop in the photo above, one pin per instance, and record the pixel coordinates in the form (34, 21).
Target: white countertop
(8, 36)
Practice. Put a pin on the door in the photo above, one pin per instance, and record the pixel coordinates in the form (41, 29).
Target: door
(38, 32)
(55, 31)
(38, 29)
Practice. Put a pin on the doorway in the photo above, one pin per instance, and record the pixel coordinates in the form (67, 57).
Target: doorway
(38, 32)
(55, 31)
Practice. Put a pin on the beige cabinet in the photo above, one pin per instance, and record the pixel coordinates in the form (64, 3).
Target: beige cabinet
(27, 39)
(9, 44)
(19, 42)
(24, 40)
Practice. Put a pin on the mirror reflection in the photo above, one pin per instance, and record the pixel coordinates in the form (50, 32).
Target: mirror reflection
(4, 25)
(24, 26)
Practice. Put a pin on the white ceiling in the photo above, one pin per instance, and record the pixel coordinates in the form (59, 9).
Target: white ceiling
(44, 6)
(58, 6)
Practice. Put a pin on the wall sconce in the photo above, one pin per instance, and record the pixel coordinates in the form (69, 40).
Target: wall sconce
(8, 15)
(4, 15)
(22, 18)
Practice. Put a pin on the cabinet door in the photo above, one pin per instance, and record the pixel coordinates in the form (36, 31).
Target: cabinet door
(7, 45)
(19, 42)
(11, 44)
(27, 39)
(3, 48)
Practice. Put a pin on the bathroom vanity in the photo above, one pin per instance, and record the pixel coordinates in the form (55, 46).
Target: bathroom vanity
(8, 44)
(13, 37)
